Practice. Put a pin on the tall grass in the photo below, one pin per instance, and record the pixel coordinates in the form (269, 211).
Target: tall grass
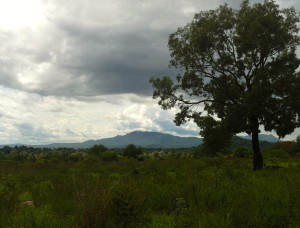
(209, 192)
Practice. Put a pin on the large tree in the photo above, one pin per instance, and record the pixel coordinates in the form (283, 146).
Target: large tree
(240, 66)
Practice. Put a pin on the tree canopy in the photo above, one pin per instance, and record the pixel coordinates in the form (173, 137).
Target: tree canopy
(239, 66)
(131, 151)
(98, 149)
(216, 137)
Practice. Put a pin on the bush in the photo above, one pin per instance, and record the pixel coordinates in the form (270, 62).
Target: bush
(204, 150)
(74, 157)
(198, 152)
(241, 152)
(109, 156)
(277, 153)
(131, 151)
(128, 205)
(296, 147)
(98, 149)
(91, 158)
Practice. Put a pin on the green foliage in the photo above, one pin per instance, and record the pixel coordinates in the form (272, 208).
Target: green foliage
(131, 151)
(295, 149)
(28, 217)
(109, 156)
(98, 149)
(282, 149)
(162, 221)
(25, 196)
(6, 149)
(298, 141)
(241, 65)
(241, 152)
(128, 204)
(207, 192)
(91, 158)
(217, 138)
(276, 153)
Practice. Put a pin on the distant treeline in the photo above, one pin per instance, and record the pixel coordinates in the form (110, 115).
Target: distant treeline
(100, 152)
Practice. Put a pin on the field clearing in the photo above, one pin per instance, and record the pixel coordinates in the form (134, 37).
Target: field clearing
(206, 192)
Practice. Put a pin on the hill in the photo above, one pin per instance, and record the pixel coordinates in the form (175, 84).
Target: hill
(263, 137)
(138, 138)
(147, 140)
(237, 141)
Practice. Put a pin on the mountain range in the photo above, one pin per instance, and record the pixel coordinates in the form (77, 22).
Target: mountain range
(139, 138)
(263, 137)
(153, 140)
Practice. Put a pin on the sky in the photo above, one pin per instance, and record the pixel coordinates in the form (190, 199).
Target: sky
(76, 70)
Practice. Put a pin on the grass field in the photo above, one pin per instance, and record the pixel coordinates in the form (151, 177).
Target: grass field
(220, 191)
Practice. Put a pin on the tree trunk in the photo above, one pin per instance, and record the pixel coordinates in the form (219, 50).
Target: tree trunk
(257, 156)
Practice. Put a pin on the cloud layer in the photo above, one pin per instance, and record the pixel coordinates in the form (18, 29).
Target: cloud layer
(80, 49)
(73, 70)
(33, 119)
(77, 48)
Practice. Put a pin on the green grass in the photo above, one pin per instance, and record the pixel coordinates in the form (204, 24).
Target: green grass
(208, 192)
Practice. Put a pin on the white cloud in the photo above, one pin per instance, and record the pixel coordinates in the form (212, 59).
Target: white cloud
(33, 119)
(16, 14)
(79, 48)
(69, 69)
(151, 118)
(28, 118)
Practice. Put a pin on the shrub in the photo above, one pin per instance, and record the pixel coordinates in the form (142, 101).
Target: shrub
(296, 147)
(109, 156)
(91, 158)
(128, 204)
(277, 153)
(198, 153)
(75, 157)
(204, 150)
(98, 149)
(241, 152)
(131, 151)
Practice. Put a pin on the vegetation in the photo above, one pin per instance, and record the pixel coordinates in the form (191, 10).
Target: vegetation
(211, 130)
(131, 151)
(241, 66)
(169, 188)
(98, 149)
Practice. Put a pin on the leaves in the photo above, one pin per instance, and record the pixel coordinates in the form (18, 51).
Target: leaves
(236, 64)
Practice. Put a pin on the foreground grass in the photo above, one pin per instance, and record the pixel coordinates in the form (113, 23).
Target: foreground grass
(209, 192)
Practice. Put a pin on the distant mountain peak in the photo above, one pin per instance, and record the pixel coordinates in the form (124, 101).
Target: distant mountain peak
(150, 139)
(263, 137)
(136, 132)
(143, 132)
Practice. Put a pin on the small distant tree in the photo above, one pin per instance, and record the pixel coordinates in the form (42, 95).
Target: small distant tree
(109, 156)
(7, 150)
(216, 137)
(298, 142)
(131, 151)
(98, 149)
(240, 65)
(295, 147)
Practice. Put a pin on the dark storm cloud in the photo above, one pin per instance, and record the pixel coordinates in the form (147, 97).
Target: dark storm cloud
(282, 3)
(237, 3)
(117, 62)
(96, 47)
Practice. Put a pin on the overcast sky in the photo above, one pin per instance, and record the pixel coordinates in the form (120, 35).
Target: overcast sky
(75, 70)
